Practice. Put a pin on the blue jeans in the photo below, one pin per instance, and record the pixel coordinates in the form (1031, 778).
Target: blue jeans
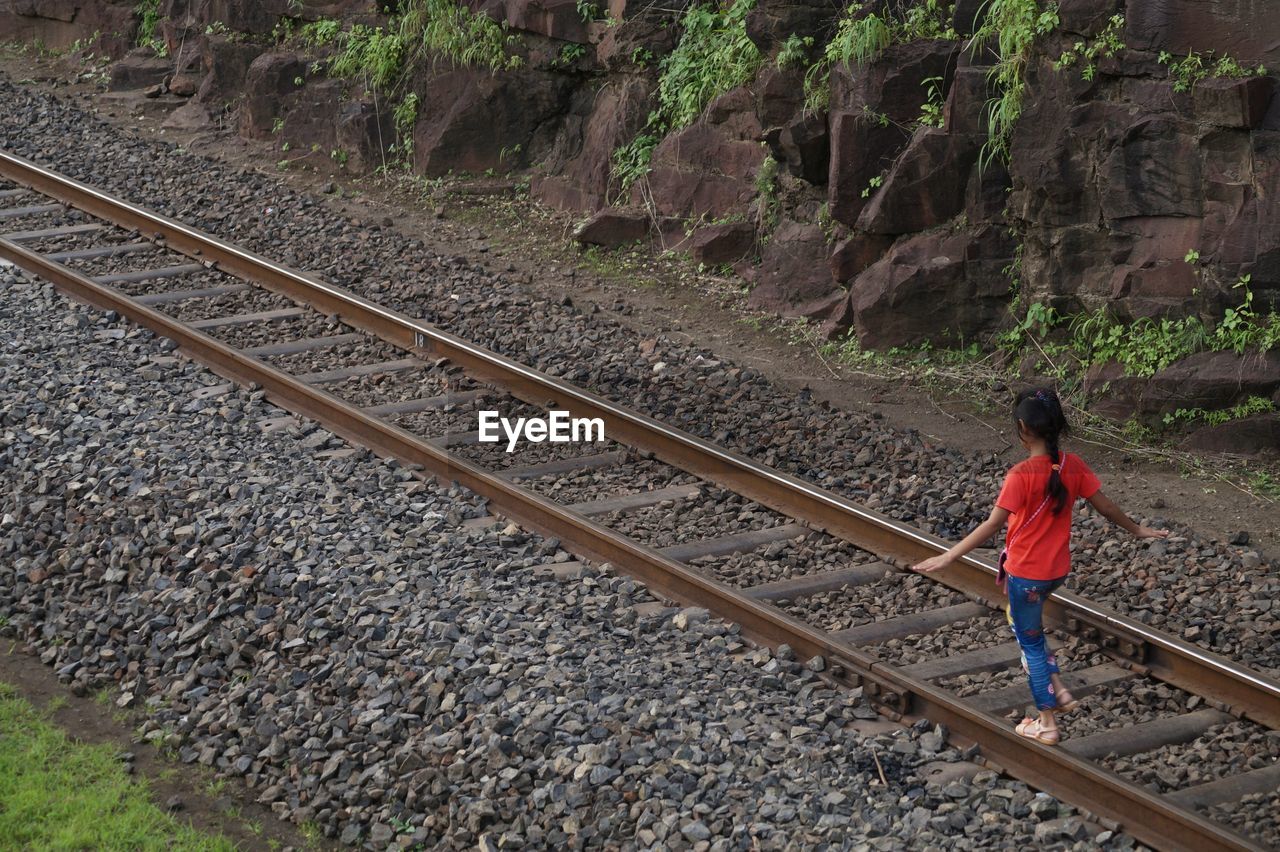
(1026, 617)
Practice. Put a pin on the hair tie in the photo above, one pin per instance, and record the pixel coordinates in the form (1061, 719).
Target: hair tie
(1042, 396)
(1058, 468)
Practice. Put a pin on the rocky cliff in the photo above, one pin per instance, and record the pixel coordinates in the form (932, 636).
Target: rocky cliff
(904, 171)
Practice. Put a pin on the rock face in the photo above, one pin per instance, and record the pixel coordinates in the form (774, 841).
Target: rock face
(1123, 193)
(794, 279)
(709, 168)
(59, 24)
(933, 286)
(470, 116)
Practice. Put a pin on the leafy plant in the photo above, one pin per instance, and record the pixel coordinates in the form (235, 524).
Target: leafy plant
(1014, 25)
(872, 185)
(588, 10)
(713, 56)
(148, 12)
(436, 29)
(320, 33)
(403, 118)
(794, 51)
(1218, 416)
(1107, 43)
(569, 54)
(859, 38)
(277, 124)
(931, 110)
(630, 162)
(1193, 68)
(641, 57)
(1192, 256)
(767, 192)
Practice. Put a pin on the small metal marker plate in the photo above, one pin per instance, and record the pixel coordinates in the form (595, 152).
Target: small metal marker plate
(419, 340)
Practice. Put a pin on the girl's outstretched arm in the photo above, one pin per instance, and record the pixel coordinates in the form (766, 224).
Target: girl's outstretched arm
(985, 530)
(1116, 515)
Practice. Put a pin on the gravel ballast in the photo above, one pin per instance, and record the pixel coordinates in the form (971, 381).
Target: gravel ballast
(1183, 585)
(323, 629)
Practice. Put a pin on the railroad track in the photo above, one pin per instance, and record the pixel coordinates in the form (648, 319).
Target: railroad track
(654, 501)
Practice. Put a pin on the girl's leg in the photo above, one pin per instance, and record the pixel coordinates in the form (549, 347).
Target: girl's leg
(1026, 611)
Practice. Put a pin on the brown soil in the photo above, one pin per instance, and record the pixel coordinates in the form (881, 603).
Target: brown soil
(231, 812)
(491, 223)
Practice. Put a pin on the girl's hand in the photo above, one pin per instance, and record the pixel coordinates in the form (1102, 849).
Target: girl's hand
(934, 563)
(1149, 532)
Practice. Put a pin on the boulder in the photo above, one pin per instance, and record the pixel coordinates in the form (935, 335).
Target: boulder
(1212, 380)
(184, 85)
(226, 64)
(471, 120)
(793, 278)
(724, 242)
(936, 286)
(269, 90)
(1247, 436)
(709, 168)
(191, 116)
(926, 185)
(140, 69)
(1111, 392)
(613, 227)
(779, 94)
(855, 253)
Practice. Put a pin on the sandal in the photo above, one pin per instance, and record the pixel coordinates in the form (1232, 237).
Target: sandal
(1070, 707)
(1033, 730)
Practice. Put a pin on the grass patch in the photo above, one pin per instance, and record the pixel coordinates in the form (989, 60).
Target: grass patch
(57, 794)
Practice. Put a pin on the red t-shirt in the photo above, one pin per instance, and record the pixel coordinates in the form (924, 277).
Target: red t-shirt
(1042, 550)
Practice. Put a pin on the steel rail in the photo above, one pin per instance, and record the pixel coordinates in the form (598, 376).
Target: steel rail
(1151, 818)
(1241, 691)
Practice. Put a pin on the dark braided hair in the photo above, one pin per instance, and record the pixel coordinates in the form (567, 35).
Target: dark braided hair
(1041, 412)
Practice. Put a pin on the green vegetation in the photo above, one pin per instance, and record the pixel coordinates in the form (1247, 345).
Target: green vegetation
(1145, 346)
(794, 51)
(931, 110)
(425, 30)
(1107, 43)
(767, 193)
(860, 38)
(320, 33)
(57, 794)
(1014, 25)
(569, 55)
(1253, 405)
(713, 56)
(148, 12)
(1194, 67)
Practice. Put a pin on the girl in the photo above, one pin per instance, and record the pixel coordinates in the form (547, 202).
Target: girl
(1036, 499)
